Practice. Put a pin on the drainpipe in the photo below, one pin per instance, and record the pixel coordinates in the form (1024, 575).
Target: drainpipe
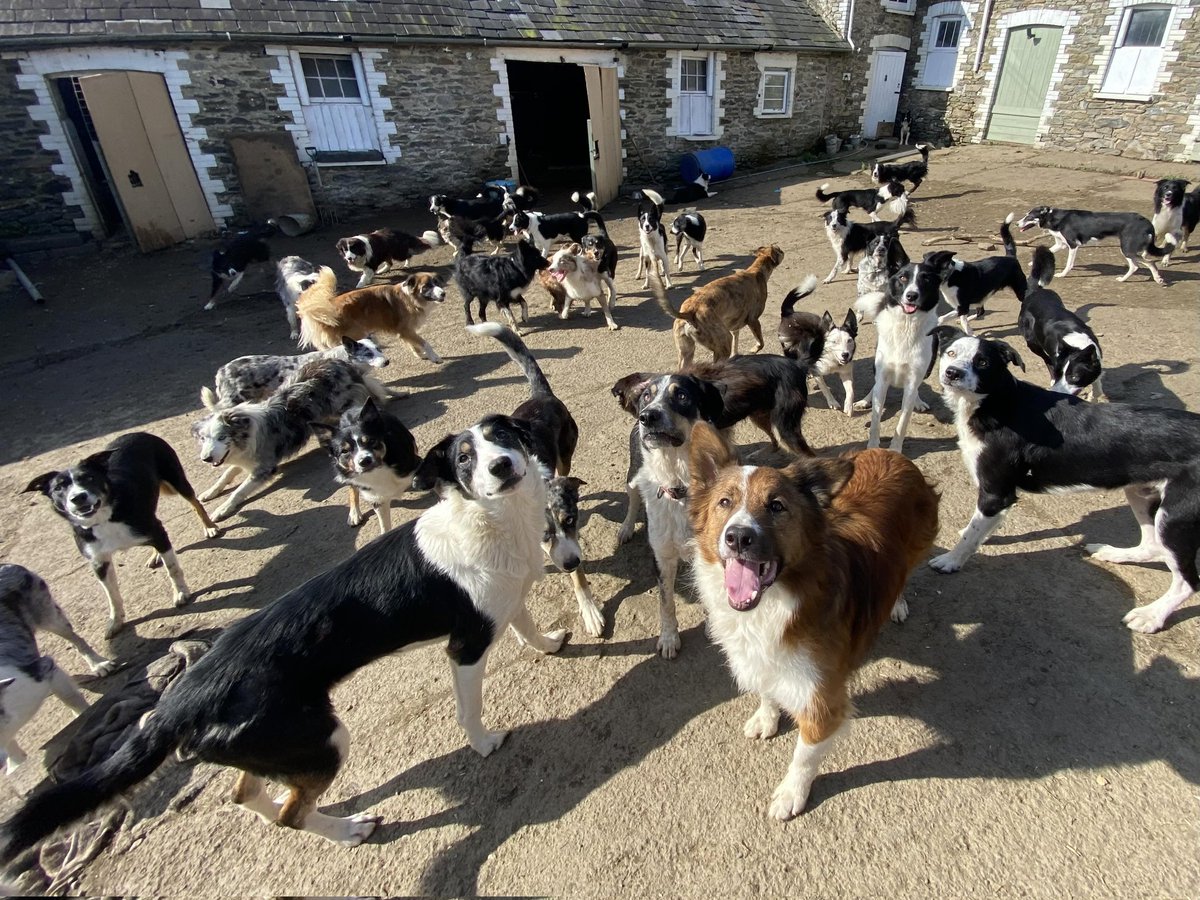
(850, 23)
(983, 32)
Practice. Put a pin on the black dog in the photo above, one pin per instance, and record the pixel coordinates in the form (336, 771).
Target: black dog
(851, 239)
(488, 205)
(1064, 342)
(601, 248)
(111, 500)
(696, 190)
(869, 199)
(916, 172)
(1175, 210)
(498, 279)
(230, 263)
(1072, 228)
(967, 284)
(463, 234)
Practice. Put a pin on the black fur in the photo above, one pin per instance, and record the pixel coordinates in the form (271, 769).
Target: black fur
(1172, 194)
(916, 171)
(546, 228)
(231, 261)
(868, 199)
(967, 284)
(488, 205)
(1046, 323)
(463, 233)
(851, 239)
(1076, 227)
(497, 279)
(366, 440)
(603, 249)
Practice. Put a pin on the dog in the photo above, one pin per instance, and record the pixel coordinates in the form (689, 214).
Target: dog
(1176, 211)
(581, 279)
(1072, 228)
(714, 313)
(229, 264)
(1014, 435)
(689, 229)
(249, 379)
(851, 239)
(1060, 338)
(488, 205)
(524, 198)
(904, 315)
(599, 246)
(256, 438)
(463, 234)
(110, 499)
(553, 438)
(915, 171)
(819, 345)
(499, 279)
(905, 129)
(258, 701)
(586, 201)
(697, 189)
(327, 317)
(871, 200)
(652, 238)
(383, 249)
(799, 568)
(967, 284)
(27, 677)
(293, 276)
(543, 229)
(375, 455)
(884, 257)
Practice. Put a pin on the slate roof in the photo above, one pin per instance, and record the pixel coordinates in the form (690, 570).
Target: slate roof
(779, 24)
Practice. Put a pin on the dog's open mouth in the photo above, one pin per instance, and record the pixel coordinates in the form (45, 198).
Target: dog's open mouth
(217, 463)
(1025, 226)
(653, 439)
(85, 512)
(747, 579)
(559, 274)
(908, 306)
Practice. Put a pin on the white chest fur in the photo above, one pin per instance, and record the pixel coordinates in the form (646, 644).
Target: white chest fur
(666, 518)
(381, 484)
(904, 343)
(969, 444)
(110, 537)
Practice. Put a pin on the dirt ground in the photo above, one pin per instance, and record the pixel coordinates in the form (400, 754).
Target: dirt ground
(1012, 738)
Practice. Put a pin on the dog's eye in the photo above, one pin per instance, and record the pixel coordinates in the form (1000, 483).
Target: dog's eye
(724, 503)
(464, 458)
(951, 354)
(568, 521)
(904, 279)
(776, 506)
(981, 364)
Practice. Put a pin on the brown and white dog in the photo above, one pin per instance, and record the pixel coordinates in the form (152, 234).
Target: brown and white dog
(715, 313)
(580, 277)
(370, 254)
(326, 317)
(798, 568)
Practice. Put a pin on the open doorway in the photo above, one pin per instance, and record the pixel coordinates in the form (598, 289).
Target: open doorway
(81, 133)
(550, 125)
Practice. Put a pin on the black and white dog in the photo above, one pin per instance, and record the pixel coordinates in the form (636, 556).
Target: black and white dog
(293, 276)
(698, 189)
(1060, 338)
(543, 229)
(1015, 436)
(872, 200)
(601, 248)
(851, 239)
(915, 171)
(249, 379)
(111, 501)
(817, 343)
(553, 437)
(1072, 228)
(587, 201)
(885, 257)
(524, 198)
(1176, 212)
(258, 701)
(229, 264)
(652, 238)
(27, 677)
(968, 284)
(378, 251)
(502, 280)
(463, 234)
(375, 455)
(689, 229)
(488, 205)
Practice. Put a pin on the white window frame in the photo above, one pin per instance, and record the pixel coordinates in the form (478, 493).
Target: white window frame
(903, 7)
(928, 51)
(774, 63)
(1148, 61)
(764, 111)
(363, 100)
(709, 91)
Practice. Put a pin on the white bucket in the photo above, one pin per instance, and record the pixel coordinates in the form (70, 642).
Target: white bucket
(294, 224)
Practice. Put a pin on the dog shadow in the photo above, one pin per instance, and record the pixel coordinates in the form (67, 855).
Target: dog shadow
(924, 197)
(1097, 269)
(1143, 382)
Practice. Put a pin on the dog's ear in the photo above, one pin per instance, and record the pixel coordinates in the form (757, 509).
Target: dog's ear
(97, 461)
(1009, 355)
(349, 345)
(709, 454)
(436, 468)
(41, 484)
(409, 284)
(850, 323)
(826, 320)
(323, 433)
(897, 257)
(576, 483)
(945, 335)
(369, 411)
(712, 400)
(776, 254)
(941, 261)
(628, 389)
(822, 478)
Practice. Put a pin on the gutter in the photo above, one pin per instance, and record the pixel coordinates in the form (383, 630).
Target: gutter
(983, 32)
(850, 24)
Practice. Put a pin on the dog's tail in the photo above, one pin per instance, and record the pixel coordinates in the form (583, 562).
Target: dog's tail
(1156, 252)
(660, 292)
(824, 197)
(592, 216)
(908, 217)
(1041, 270)
(796, 294)
(209, 398)
(654, 197)
(518, 353)
(45, 812)
(587, 201)
(318, 315)
(868, 306)
(432, 238)
(1010, 247)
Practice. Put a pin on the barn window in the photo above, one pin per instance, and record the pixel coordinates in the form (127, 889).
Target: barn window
(337, 107)
(696, 76)
(1138, 52)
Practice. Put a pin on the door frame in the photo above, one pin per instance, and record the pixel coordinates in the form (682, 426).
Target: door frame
(1002, 67)
(883, 43)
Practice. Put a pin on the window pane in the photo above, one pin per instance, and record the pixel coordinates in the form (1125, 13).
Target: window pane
(948, 31)
(345, 67)
(314, 87)
(1146, 27)
(350, 87)
(775, 91)
(308, 65)
(693, 75)
(326, 67)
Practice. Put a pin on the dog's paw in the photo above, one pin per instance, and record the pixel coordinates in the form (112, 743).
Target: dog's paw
(295, 336)
(212, 532)
(488, 742)
(155, 560)
(762, 725)
(920, 406)
(946, 563)
(864, 403)
(788, 801)
(625, 534)
(355, 517)
(103, 668)
(593, 618)
(224, 512)
(900, 610)
(668, 644)
(613, 326)
(555, 640)
(182, 598)
(210, 304)
(356, 829)
(1144, 619)
(210, 493)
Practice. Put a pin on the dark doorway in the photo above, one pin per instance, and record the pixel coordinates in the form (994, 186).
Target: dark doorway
(550, 116)
(81, 134)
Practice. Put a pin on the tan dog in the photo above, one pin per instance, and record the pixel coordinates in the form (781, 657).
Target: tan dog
(715, 313)
(401, 309)
(580, 276)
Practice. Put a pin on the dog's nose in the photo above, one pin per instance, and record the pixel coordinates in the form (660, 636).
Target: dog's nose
(739, 538)
(570, 564)
(953, 374)
(501, 466)
(79, 499)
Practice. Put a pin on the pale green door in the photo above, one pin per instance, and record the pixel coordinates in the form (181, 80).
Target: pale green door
(1024, 79)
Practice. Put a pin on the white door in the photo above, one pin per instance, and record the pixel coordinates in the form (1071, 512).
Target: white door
(883, 90)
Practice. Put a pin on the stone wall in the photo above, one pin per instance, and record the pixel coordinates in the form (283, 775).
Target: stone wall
(872, 21)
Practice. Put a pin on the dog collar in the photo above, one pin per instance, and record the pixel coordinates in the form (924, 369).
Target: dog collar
(675, 493)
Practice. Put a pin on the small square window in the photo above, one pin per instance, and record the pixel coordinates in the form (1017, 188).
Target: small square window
(776, 91)
(948, 31)
(693, 75)
(330, 78)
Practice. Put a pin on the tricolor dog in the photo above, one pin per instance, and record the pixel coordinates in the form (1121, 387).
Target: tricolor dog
(817, 343)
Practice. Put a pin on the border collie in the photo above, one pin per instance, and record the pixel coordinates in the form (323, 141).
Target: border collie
(27, 677)
(502, 280)
(524, 198)
(915, 171)
(967, 284)
(249, 379)
(1176, 211)
(697, 189)
(111, 501)
(905, 129)
(543, 229)
(1060, 338)
(798, 569)
(689, 229)
(1072, 228)
(293, 276)
(601, 248)
(872, 200)
(652, 238)
(373, 253)
(258, 701)
(580, 277)
(1014, 436)
(463, 234)
(851, 239)
(488, 205)
(375, 455)
(818, 344)
(229, 264)
(256, 438)
(884, 257)
(553, 438)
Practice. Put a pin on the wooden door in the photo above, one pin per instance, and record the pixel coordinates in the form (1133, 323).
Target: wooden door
(1025, 71)
(147, 158)
(604, 132)
(883, 93)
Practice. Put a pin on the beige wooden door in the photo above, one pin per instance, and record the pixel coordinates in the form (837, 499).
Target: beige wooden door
(144, 150)
(604, 130)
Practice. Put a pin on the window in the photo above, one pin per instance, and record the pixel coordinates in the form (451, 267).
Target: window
(1137, 55)
(776, 92)
(947, 34)
(337, 107)
(695, 95)
(942, 56)
(899, 6)
(330, 78)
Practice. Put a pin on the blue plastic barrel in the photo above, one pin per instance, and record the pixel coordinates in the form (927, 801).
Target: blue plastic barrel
(717, 163)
